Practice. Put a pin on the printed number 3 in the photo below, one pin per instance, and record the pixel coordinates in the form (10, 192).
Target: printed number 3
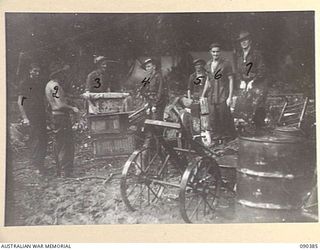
(97, 80)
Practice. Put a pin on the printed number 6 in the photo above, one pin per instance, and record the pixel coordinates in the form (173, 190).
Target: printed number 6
(217, 75)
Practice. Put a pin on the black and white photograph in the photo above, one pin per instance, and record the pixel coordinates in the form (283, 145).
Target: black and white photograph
(160, 118)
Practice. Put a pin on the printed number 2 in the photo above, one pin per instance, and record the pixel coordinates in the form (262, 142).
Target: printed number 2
(97, 80)
(56, 88)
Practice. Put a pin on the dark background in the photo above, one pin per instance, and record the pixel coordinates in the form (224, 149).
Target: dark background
(285, 38)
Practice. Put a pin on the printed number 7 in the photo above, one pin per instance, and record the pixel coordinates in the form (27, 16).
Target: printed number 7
(250, 64)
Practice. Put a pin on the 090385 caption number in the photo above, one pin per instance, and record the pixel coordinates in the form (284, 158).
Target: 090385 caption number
(308, 246)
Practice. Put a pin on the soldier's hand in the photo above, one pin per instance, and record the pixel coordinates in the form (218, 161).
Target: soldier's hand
(229, 101)
(249, 86)
(26, 122)
(243, 85)
(86, 95)
(75, 109)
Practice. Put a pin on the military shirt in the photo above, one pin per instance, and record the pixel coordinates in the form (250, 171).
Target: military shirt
(34, 92)
(219, 81)
(97, 82)
(251, 68)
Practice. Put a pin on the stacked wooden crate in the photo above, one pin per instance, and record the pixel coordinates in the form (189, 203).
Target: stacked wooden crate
(108, 125)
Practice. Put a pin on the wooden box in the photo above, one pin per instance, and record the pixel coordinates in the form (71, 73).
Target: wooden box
(205, 122)
(110, 102)
(108, 123)
(204, 106)
(195, 109)
(113, 145)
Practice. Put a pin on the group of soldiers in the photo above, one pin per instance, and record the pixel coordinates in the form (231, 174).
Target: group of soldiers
(31, 101)
(213, 80)
(216, 81)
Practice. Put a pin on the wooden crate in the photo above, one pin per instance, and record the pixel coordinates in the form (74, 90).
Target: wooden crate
(195, 109)
(113, 145)
(108, 123)
(103, 103)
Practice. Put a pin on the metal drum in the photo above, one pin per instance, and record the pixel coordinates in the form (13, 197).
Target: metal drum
(285, 131)
(228, 165)
(275, 172)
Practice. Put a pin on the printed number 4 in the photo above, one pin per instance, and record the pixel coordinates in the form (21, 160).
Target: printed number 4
(145, 81)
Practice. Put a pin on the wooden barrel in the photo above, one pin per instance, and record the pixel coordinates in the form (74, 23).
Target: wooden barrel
(275, 172)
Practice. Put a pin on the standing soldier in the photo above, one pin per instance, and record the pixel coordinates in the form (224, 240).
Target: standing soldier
(32, 109)
(154, 89)
(97, 80)
(252, 75)
(219, 89)
(63, 139)
(197, 79)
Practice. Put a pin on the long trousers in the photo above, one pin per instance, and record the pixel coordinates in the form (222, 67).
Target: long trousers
(38, 142)
(63, 143)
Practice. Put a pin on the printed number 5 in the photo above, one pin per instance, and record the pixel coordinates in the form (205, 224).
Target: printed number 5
(97, 80)
(198, 80)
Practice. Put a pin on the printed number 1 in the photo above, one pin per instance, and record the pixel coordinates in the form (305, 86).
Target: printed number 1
(23, 98)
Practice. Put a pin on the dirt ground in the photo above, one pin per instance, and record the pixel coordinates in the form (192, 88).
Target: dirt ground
(93, 197)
